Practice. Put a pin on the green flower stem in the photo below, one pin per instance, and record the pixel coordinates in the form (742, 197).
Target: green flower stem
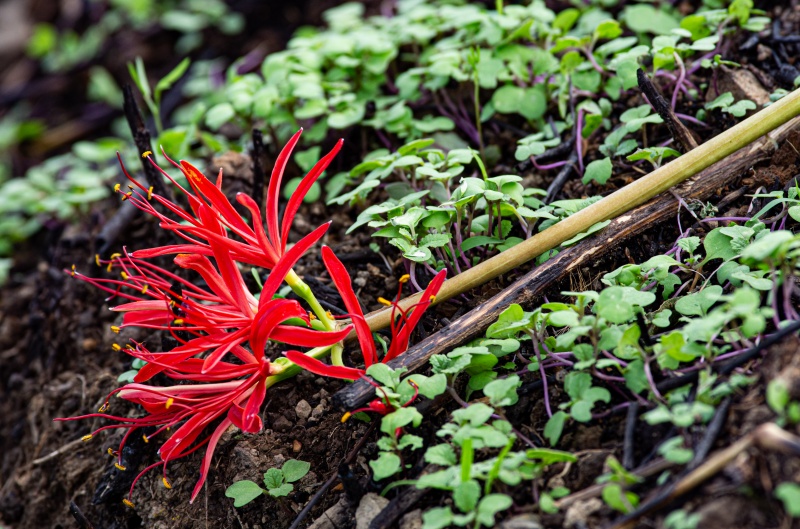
(336, 355)
(300, 288)
(614, 205)
(286, 369)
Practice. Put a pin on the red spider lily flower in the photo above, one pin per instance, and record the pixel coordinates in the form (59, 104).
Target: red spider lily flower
(400, 328)
(208, 203)
(219, 320)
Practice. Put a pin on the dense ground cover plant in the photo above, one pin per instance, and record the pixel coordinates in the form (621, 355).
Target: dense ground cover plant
(704, 303)
(549, 78)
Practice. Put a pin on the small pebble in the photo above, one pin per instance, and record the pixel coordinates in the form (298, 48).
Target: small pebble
(318, 411)
(303, 409)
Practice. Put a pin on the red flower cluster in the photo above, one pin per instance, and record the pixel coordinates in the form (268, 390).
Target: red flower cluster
(224, 317)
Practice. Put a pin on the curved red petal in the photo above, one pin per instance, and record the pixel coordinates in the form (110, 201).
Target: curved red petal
(212, 445)
(400, 340)
(304, 337)
(320, 368)
(299, 194)
(343, 284)
(273, 192)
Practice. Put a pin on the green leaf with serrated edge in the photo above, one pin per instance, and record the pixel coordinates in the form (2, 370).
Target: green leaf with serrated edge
(243, 492)
(281, 491)
(437, 518)
(387, 464)
(554, 427)
(699, 303)
(598, 170)
(635, 377)
(475, 414)
(619, 500)
(503, 392)
(385, 375)
(441, 454)
(400, 418)
(490, 505)
(430, 387)
(548, 456)
(273, 478)
(411, 441)
(466, 494)
(789, 494)
(294, 470)
(717, 245)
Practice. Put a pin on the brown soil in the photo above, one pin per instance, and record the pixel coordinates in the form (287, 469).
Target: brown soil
(56, 361)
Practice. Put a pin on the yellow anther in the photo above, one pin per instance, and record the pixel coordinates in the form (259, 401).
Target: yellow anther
(110, 451)
(432, 298)
(329, 314)
(144, 289)
(384, 301)
(312, 316)
(124, 275)
(150, 193)
(145, 154)
(116, 187)
(103, 409)
(128, 503)
(130, 187)
(87, 437)
(346, 416)
(169, 402)
(404, 278)
(127, 195)
(116, 255)
(146, 440)
(179, 321)
(97, 259)
(120, 467)
(115, 329)
(166, 482)
(116, 347)
(73, 271)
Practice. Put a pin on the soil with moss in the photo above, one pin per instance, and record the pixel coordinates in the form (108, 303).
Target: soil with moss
(56, 361)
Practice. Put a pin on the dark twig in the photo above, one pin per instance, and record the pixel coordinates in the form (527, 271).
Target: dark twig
(258, 171)
(712, 432)
(114, 227)
(682, 135)
(397, 507)
(561, 178)
(630, 431)
(331, 480)
(141, 136)
(767, 436)
(75, 511)
(127, 211)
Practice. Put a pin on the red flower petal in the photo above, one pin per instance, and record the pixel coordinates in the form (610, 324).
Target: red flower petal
(341, 278)
(320, 368)
(273, 192)
(400, 340)
(299, 194)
